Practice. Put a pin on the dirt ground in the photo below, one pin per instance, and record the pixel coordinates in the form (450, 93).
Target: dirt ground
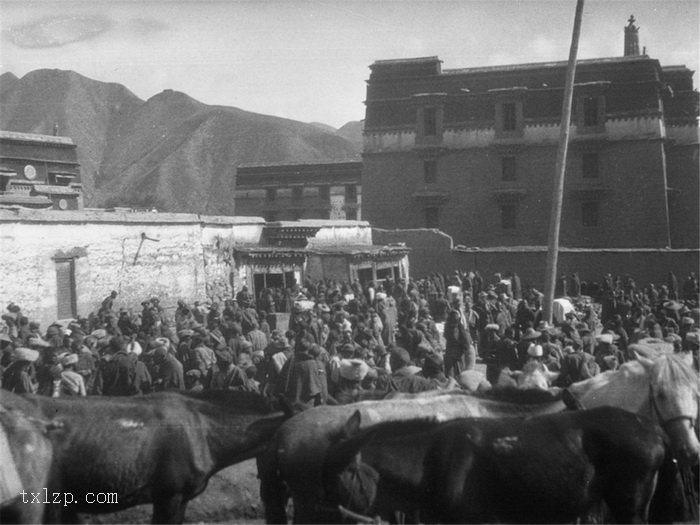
(232, 496)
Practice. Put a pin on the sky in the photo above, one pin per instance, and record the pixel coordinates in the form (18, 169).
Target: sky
(309, 60)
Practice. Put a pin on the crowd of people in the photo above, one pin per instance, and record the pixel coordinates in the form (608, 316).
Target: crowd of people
(348, 341)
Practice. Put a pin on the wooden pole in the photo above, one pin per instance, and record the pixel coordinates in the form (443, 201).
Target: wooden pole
(560, 170)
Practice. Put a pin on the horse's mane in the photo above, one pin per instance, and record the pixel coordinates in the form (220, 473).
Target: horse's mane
(670, 371)
(233, 399)
(520, 396)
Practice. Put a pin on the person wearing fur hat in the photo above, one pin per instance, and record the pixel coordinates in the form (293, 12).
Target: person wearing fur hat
(72, 383)
(607, 354)
(350, 376)
(20, 377)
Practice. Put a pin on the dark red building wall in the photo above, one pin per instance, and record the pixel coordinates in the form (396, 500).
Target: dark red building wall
(684, 181)
(630, 191)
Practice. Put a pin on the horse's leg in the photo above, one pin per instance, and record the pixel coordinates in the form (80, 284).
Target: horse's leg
(169, 509)
(631, 503)
(273, 493)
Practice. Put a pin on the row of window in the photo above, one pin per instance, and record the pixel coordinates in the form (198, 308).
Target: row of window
(590, 211)
(298, 214)
(509, 115)
(590, 168)
(324, 193)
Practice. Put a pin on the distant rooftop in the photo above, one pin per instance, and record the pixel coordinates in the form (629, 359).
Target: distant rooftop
(416, 60)
(302, 163)
(544, 65)
(35, 137)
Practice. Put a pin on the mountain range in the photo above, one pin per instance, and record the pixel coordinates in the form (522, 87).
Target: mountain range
(171, 151)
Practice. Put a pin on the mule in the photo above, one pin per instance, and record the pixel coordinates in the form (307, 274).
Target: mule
(545, 469)
(27, 455)
(292, 463)
(665, 389)
(160, 448)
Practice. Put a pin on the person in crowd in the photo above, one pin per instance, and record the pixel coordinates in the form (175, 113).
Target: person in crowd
(168, 373)
(403, 378)
(410, 335)
(301, 378)
(72, 383)
(458, 347)
(20, 376)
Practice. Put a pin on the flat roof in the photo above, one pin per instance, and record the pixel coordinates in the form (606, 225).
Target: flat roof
(35, 137)
(98, 215)
(546, 65)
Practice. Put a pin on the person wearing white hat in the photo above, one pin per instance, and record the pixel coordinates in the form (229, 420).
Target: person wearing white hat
(535, 373)
(72, 383)
(20, 376)
(607, 354)
(350, 376)
(691, 346)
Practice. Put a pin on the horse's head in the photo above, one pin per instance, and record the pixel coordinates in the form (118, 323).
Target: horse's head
(346, 479)
(673, 398)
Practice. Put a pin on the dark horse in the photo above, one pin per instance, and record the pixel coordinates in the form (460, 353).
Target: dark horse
(26, 455)
(159, 448)
(292, 463)
(544, 469)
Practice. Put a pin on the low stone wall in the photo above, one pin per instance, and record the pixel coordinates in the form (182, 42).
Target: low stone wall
(432, 251)
(139, 255)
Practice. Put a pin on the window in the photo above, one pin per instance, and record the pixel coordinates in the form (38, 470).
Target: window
(351, 214)
(430, 121)
(508, 168)
(432, 217)
(270, 194)
(589, 213)
(430, 171)
(590, 111)
(510, 116)
(508, 216)
(4, 182)
(324, 193)
(351, 193)
(589, 165)
(297, 193)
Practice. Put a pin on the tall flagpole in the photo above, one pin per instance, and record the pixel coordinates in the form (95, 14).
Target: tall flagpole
(560, 170)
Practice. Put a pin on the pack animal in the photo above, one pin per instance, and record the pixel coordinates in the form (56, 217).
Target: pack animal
(665, 389)
(292, 463)
(544, 469)
(27, 455)
(160, 448)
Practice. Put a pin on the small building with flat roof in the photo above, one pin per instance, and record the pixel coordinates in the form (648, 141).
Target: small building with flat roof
(282, 192)
(39, 172)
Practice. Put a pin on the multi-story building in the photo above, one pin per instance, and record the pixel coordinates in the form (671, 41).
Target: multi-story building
(472, 151)
(39, 171)
(328, 190)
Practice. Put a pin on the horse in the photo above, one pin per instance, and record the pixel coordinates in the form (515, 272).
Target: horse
(27, 455)
(292, 463)
(665, 389)
(543, 469)
(159, 448)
